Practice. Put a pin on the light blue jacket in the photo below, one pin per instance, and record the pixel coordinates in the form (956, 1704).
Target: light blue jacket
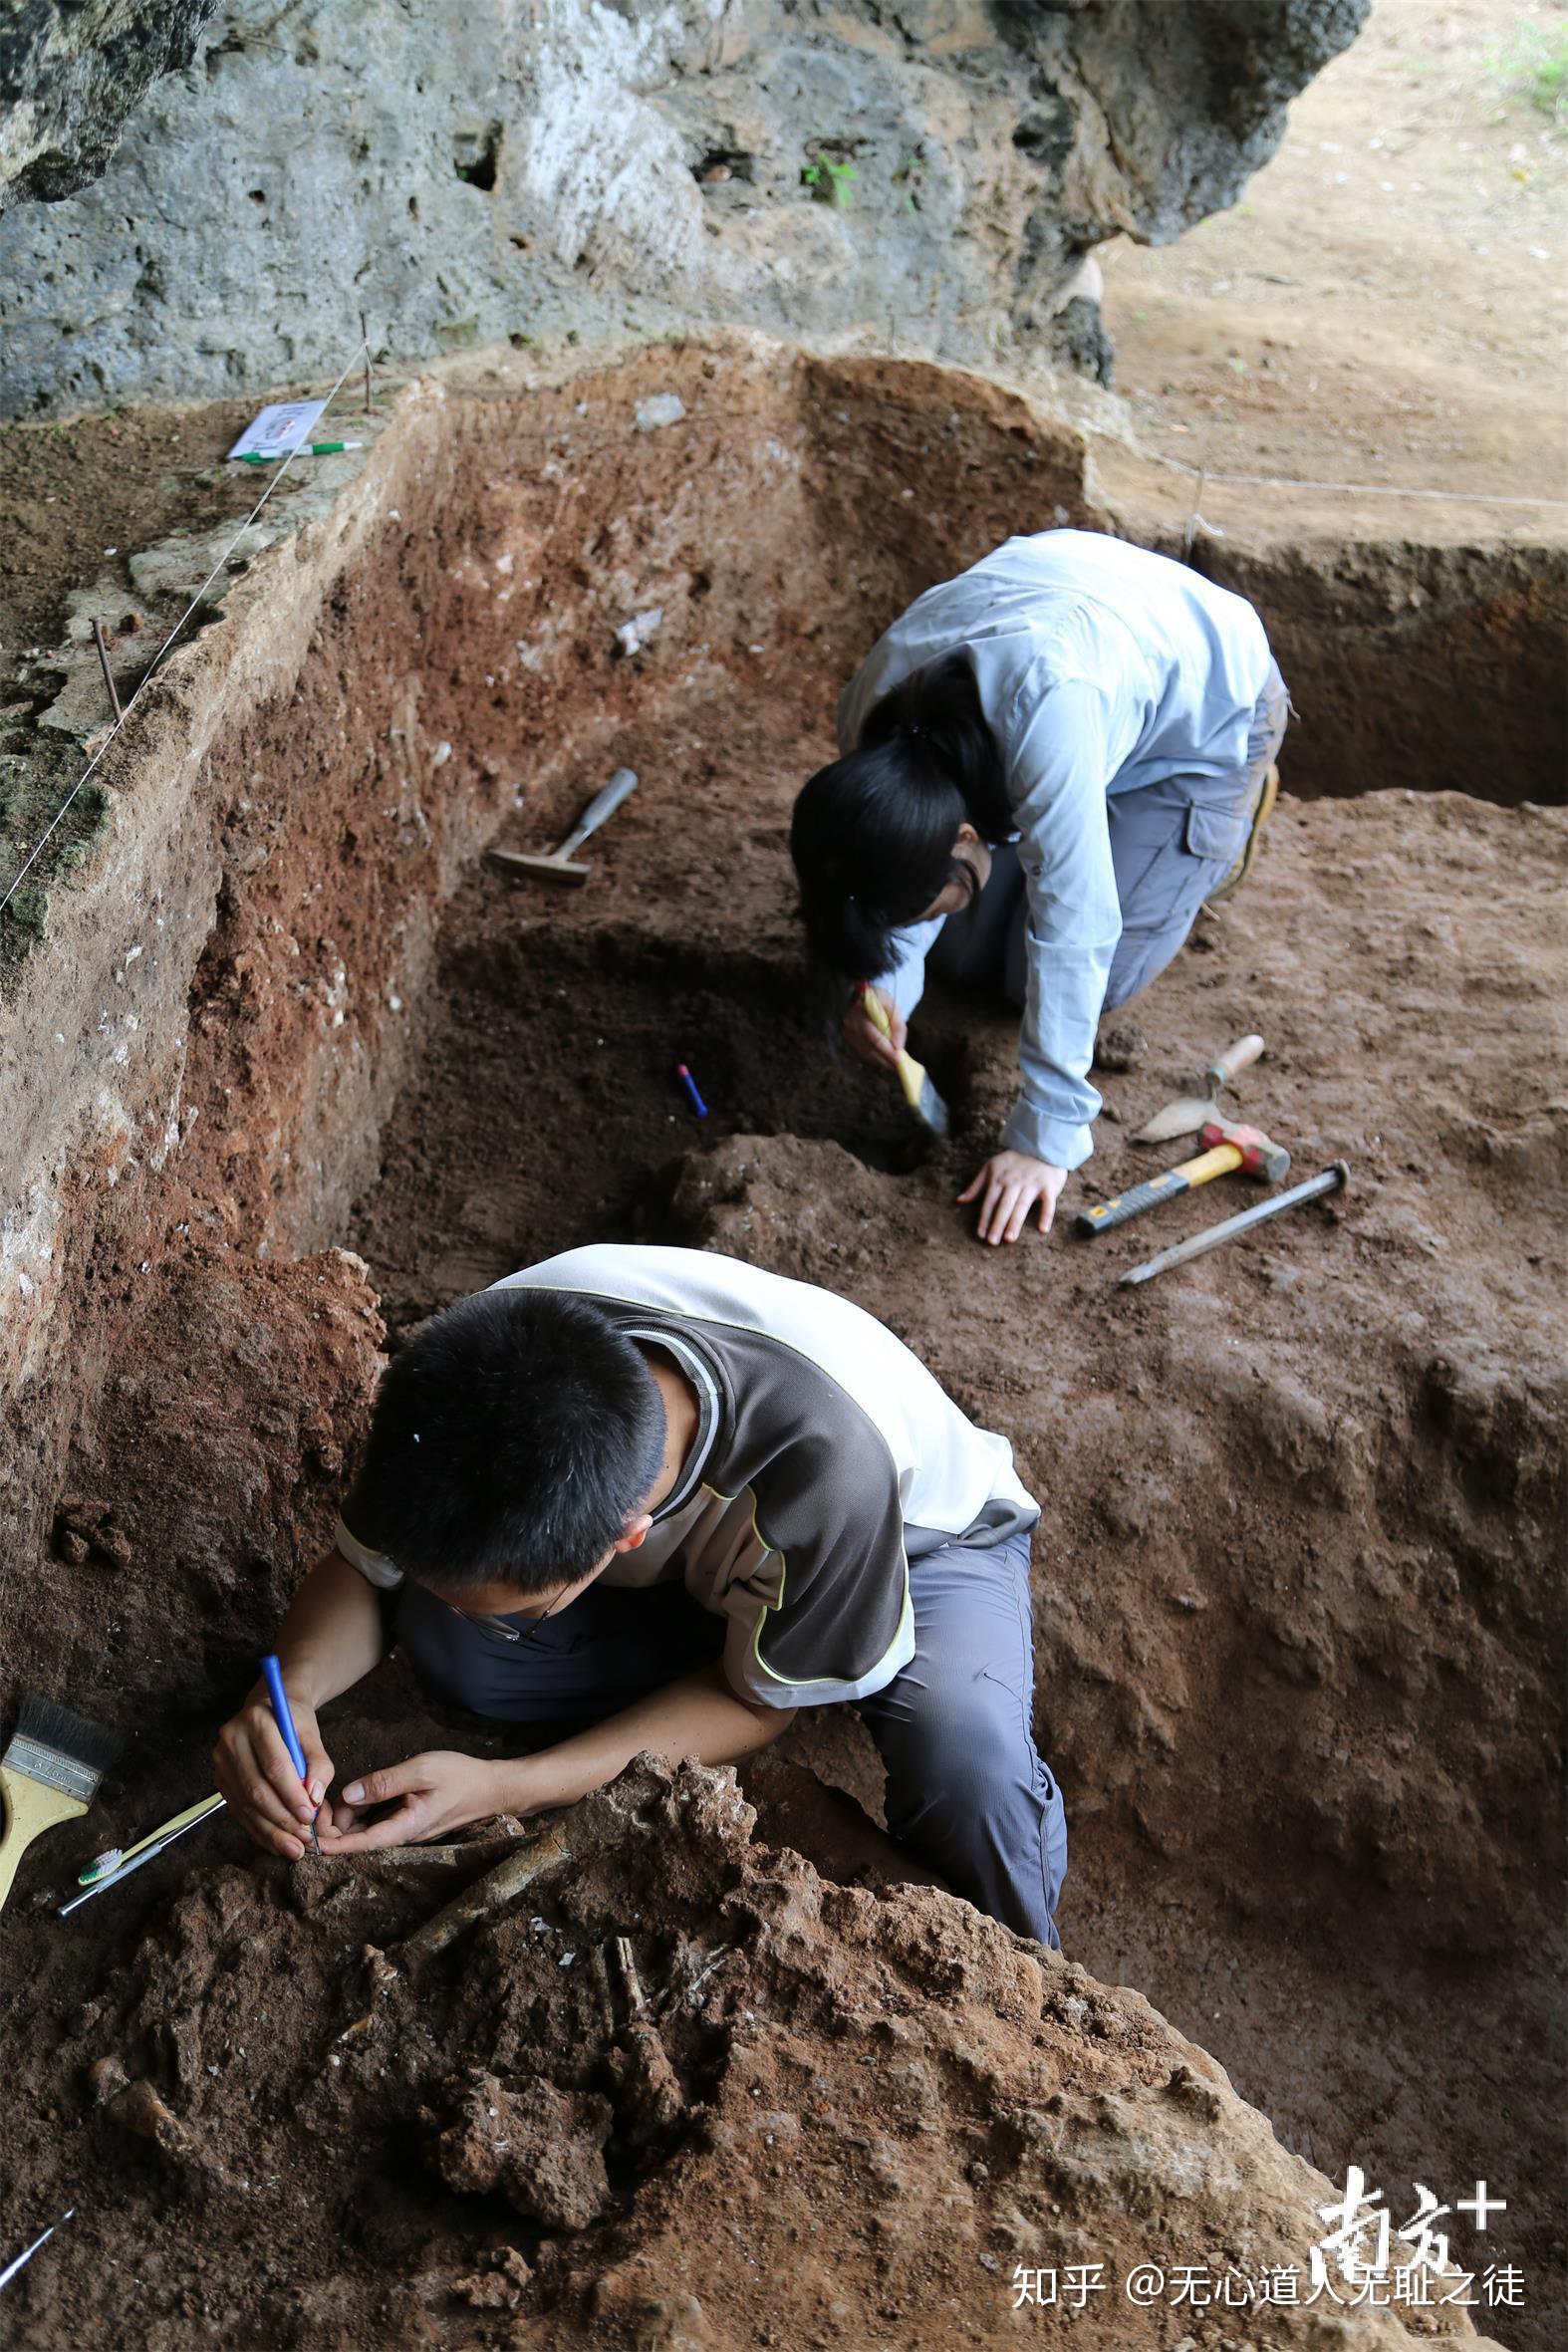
(1101, 669)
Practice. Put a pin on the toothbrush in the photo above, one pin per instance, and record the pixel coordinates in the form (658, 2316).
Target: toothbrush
(118, 1856)
(111, 1868)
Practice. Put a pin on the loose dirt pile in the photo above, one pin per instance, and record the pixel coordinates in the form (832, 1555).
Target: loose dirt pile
(684, 2093)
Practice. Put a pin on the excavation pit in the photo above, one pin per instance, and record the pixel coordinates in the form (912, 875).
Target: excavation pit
(1296, 1585)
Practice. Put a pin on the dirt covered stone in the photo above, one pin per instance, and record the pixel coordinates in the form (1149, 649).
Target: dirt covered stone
(539, 2145)
(872, 2086)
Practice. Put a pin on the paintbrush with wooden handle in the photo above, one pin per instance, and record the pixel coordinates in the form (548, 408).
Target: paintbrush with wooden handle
(919, 1092)
(49, 1775)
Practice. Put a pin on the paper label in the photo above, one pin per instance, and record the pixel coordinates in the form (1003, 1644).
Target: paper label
(280, 428)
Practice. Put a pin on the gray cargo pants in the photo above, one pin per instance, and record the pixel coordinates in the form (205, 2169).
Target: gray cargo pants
(1172, 843)
(966, 1789)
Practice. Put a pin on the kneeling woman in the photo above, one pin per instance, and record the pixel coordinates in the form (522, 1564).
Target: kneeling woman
(1049, 764)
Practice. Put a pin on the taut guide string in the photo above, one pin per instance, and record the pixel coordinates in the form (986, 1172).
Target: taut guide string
(1280, 481)
(1202, 474)
(121, 715)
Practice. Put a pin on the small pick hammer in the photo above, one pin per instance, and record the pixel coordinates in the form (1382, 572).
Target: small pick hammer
(1227, 1147)
(564, 863)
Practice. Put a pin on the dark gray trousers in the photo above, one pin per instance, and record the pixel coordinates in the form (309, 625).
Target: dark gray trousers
(966, 1789)
(1172, 843)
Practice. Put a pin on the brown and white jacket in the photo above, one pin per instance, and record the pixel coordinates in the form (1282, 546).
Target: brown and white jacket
(827, 1458)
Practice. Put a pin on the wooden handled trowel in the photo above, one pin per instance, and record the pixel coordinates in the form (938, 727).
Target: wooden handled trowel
(1196, 1111)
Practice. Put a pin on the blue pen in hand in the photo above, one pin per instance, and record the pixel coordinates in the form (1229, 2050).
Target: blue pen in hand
(278, 1698)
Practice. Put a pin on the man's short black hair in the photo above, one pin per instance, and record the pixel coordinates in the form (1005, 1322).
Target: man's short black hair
(512, 1438)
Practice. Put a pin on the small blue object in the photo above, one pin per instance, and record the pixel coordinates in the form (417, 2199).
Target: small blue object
(272, 1676)
(690, 1086)
(278, 1698)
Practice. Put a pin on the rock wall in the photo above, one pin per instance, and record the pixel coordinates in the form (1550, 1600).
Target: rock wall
(929, 179)
(69, 77)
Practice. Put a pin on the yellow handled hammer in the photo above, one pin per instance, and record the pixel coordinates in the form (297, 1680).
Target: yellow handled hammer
(1244, 1148)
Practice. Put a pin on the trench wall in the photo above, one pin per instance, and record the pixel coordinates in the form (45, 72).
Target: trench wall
(202, 1052)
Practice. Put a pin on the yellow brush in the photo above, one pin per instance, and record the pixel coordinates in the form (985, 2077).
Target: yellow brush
(923, 1099)
(49, 1773)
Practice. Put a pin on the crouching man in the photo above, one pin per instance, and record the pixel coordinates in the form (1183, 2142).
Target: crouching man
(655, 1498)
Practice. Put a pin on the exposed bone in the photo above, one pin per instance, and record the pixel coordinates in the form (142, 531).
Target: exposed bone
(629, 1978)
(448, 1857)
(607, 1996)
(487, 1896)
(677, 1993)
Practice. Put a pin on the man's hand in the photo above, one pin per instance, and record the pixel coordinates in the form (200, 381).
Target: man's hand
(263, 1790)
(1007, 1188)
(865, 1041)
(434, 1793)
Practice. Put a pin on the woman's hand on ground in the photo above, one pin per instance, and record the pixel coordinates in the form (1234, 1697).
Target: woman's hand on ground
(1007, 1188)
(254, 1775)
(865, 1041)
(431, 1794)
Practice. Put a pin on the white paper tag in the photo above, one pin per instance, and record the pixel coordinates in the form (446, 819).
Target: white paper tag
(279, 428)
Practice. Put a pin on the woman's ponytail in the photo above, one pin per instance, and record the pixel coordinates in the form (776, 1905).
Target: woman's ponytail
(939, 708)
(872, 834)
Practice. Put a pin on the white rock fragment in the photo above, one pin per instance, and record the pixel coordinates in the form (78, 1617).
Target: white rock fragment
(633, 634)
(663, 408)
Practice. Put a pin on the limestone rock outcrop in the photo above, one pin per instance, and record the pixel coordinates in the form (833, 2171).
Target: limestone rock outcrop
(929, 179)
(71, 75)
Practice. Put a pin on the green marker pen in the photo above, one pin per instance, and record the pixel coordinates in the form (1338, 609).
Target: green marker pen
(305, 450)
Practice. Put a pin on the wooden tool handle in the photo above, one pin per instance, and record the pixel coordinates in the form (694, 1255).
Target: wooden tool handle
(1235, 1060)
(1208, 1164)
(910, 1070)
(604, 804)
(29, 1809)
(875, 1011)
(919, 1092)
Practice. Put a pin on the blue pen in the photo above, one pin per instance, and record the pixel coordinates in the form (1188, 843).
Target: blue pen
(690, 1086)
(278, 1697)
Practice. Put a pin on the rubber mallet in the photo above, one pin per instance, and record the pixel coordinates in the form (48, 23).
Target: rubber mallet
(1246, 1148)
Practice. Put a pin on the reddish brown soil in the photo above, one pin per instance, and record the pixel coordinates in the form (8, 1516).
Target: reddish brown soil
(1297, 1614)
(80, 499)
(808, 2115)
(1301, 1499)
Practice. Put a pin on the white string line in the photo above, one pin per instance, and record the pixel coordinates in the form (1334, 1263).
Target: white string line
(274, 478)
(1275, 481)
